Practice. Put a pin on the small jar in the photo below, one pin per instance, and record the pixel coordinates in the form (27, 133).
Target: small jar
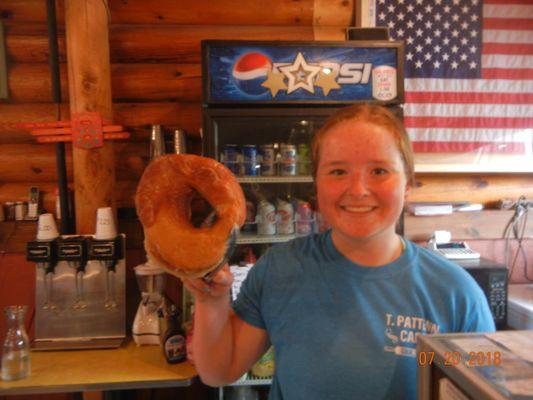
(16, 349)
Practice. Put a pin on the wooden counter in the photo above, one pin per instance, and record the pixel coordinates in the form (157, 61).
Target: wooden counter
(128, 367)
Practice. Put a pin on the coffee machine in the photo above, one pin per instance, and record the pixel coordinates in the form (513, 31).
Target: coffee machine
(146, 328)
(79, 288)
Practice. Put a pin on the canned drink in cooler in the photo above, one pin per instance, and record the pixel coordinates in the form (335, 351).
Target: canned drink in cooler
(231, 157)
(304, 218)
(266, 218)
(249, 223)
(249, 160)
(285, 213)
(268, 158)
(303, 159)
(288, 160)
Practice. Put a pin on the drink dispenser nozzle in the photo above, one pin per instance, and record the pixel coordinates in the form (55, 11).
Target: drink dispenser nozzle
(43, 251)
(73, 250)
(106, 248)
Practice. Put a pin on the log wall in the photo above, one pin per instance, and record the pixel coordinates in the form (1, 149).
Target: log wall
(156, 79)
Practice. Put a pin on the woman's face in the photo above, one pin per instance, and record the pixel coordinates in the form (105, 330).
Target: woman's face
(361, 182)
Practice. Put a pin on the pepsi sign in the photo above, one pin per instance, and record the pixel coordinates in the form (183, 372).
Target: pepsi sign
(302, 72)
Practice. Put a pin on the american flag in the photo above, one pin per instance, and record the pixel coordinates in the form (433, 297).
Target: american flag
(468, 72)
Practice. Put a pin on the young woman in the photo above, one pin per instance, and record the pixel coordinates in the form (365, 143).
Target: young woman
(343, 308)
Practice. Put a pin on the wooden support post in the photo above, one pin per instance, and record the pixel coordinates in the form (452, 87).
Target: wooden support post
(89, 78)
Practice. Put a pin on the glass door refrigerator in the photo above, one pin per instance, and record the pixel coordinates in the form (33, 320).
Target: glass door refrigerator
(262, 102)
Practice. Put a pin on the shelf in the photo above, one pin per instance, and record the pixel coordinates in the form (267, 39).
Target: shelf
(275, 179)
(249, 238)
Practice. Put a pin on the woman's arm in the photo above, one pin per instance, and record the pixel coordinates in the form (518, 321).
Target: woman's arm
(224, 346)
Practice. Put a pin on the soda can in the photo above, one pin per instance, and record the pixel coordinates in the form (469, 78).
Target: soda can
(249, 222)
(304, 218)
(266, 218)
(231, 156)
(268, 159)
(249, 159)
(288, 160)
(304, 162)
(285, 212)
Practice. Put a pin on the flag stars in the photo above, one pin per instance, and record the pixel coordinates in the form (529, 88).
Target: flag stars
(419, 49)
(454, 64)
(455, 17)
(473, 34)
(382, 16)
(437, 49)
(455, 49)
(474, 17)
(473, 49)
(446, 9)
(400, 32)
(472, 65)
(410, 24)
(419, 16)
(437, 33)
(390, 8)
(446, 25)
(419, 32)
(390, 24)
(464, 41)
(418, 64)
(463, 57)
(437, 17)
(455, 33)
(409, 56)
(456, 2)
(445, 57)
(410, 40)
(446, 41)
(427, 56)
(465, 9)
(464, 25)
(400, 16)
(428, 24)
(436, 64)
(428, 9)
(410, 8)
(419, 2)
(428, 40)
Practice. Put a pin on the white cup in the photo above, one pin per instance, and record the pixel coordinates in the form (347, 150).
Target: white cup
(46, 227)
(105, 224)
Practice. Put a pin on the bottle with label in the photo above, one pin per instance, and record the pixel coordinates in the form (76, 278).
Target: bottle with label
(174, 343)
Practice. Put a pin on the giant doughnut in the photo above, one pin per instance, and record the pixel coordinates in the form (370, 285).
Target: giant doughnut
(163, 202)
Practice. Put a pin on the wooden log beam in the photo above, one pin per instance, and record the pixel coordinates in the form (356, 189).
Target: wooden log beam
(167, 43)
(486, 188)
(135, 117)
(89, 74)
(30, 83)
(35, 163)
(184, 12)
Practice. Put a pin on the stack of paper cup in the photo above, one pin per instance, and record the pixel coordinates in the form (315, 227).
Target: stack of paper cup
(46, 228)
(105, 224)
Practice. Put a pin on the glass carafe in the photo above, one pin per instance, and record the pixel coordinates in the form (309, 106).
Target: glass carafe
(16, 349)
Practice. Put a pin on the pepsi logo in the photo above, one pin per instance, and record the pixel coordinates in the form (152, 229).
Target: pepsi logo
(250, 71)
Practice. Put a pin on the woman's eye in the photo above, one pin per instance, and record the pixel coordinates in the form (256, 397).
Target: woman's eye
(379, 171)
(337, 172)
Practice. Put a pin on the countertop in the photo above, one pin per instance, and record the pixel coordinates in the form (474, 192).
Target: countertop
(126, 367)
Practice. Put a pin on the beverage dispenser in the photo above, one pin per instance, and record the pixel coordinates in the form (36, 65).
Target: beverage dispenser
(79, 288)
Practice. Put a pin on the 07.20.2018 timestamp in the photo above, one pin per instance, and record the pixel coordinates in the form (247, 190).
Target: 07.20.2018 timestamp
(451, 358)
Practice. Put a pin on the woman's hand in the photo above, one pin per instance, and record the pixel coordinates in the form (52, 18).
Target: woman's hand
(217, 288)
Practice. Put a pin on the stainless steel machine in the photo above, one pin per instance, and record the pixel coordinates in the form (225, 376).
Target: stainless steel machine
(79, 291)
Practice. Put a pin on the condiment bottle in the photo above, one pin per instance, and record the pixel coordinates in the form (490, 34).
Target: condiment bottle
(174, 343)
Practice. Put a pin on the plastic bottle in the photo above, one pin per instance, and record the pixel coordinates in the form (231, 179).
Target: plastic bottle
(16, 349)
(174, 344)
